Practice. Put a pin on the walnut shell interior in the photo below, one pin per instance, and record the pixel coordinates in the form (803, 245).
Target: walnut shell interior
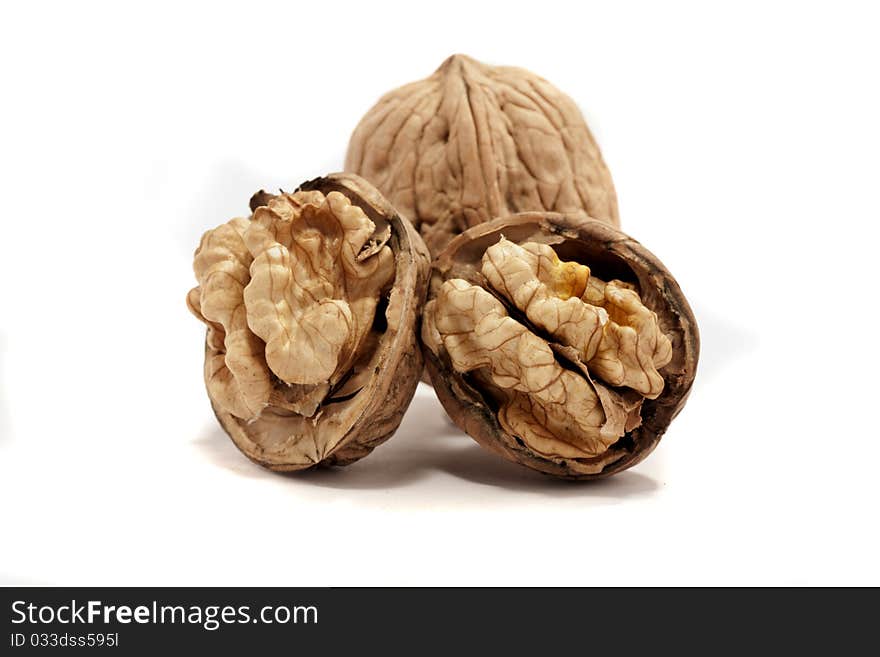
(311, 304)
(574, 359)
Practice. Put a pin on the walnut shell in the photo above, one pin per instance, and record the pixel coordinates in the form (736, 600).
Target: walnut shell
(517, 358)
(312, 305)
(473, 142)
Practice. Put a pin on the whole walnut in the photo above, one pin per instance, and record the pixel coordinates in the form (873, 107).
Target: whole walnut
(311, 303)
(474, 142)
(559, 343)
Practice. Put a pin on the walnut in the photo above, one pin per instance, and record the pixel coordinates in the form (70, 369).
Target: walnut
(558, 342)
(311, 305)
(474, 142)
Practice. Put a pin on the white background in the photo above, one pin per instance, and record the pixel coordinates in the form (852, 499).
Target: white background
(745, 148)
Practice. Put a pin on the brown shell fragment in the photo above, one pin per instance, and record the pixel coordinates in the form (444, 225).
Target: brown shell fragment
(473, 142)
(312, 305)
(559, 343)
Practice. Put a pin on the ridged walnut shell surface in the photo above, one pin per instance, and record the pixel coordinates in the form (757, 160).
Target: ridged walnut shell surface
(611, 254)
(473, 142)
(346, 428)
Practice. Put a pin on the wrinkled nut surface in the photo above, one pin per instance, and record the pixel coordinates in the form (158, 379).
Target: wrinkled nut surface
(311, 304)
(473, 142)
(558, 342)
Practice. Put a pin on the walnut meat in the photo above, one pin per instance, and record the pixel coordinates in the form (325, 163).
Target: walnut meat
(558, 342)
(311, 305)
(474, 142)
